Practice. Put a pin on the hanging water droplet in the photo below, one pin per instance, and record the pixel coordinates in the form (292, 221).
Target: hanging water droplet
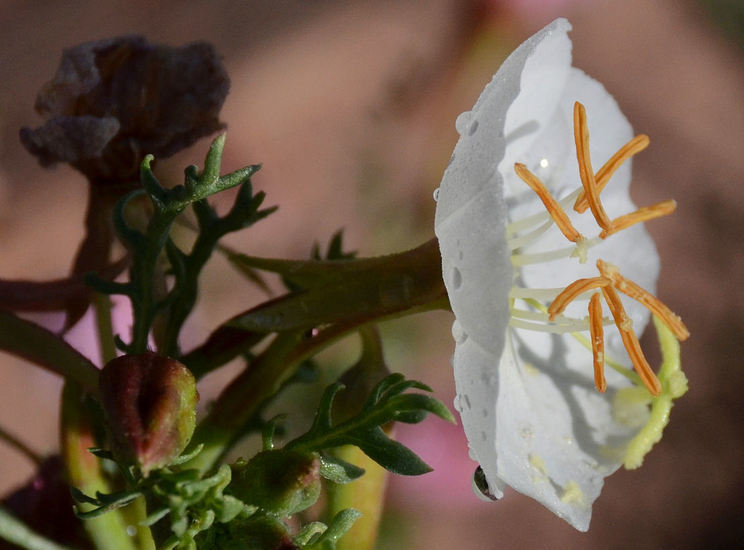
(436, 194)
(462, 123)
(458, 333)
(480, 486)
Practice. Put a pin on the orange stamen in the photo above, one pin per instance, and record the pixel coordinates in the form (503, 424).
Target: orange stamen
(634, 146)
(591, 191)
(656, 306)
(596, 331)
(641, 215)
(573, 290)
(630, 341)
(551, 205)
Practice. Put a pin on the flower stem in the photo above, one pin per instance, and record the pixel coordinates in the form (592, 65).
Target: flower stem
(365, 494)
(109, 531)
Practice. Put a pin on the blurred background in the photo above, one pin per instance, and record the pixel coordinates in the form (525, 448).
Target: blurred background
(350, 106)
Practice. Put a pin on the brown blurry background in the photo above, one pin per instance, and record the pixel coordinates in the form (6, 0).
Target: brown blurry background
(350, 106)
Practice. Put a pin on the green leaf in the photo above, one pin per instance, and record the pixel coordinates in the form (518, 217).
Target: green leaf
(391, 455)
(386, 403)
(338, 527)
(337, 470)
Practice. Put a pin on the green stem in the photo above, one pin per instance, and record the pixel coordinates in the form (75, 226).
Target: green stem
(105, 329)
(135, 514)
(15, 531)
(109, 531)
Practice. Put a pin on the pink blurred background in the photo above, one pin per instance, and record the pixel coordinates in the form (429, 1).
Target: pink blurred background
(350, 106)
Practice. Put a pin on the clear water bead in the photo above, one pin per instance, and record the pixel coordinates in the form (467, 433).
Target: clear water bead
(462, 123)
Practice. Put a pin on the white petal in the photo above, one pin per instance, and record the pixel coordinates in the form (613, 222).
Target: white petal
(527, 400)
(471, 210)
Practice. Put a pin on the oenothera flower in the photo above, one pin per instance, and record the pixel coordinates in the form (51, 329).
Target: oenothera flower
(551, 274)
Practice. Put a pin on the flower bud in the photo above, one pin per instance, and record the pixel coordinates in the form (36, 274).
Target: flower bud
(279, 481)
(150, 403)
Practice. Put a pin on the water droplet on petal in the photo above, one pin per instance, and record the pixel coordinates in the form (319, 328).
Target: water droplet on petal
(473, 127)
(462, 123)
(458, 333)
(456, 278)
(436, 194)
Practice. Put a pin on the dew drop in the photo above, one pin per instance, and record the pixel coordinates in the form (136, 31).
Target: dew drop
(467, 401)
(458, 333)
(473, 127)
(456, 278)
(456, 403)
(462, 123)
(436, 194)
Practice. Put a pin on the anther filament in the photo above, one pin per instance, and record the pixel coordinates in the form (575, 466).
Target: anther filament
(610, 282)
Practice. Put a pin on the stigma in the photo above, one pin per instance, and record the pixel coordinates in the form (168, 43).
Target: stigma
(546, 306)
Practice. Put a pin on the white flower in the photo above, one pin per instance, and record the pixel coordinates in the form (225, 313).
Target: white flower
(538, 409)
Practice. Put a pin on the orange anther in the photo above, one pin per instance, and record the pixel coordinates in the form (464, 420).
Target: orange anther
(634, 146)
(643, 296)
(551, 205)
(641, 215)
(573, 290)
(596, 331)
(591, 191)
(630, 341)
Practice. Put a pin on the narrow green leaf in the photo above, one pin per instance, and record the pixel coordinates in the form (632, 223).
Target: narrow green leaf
(391, 455)
(338, 470)
(380, 388)
(339, 525)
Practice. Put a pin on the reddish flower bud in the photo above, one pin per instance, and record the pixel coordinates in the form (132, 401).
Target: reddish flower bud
(150, 403)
